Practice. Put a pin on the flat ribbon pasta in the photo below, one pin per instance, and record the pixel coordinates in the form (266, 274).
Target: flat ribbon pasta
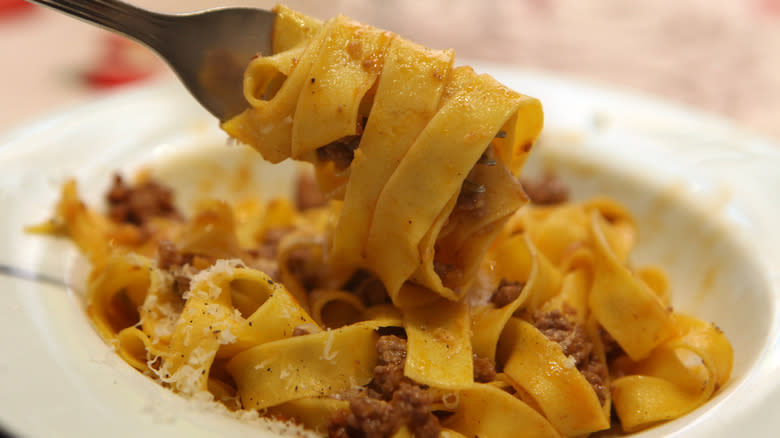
(314, 365)
(410, 130)
(438, 348)
(487, 411)
(566, 398)
(313, 412)
(677, 377)
(623, 305)
(517, 260)
(116, 290)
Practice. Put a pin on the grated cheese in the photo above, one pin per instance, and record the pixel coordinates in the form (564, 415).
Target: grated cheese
(327, 354)
(226, 336)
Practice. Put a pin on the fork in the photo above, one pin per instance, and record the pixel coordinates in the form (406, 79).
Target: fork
(208, 50)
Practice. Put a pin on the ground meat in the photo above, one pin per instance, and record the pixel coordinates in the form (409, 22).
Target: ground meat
(506, 292)
(595, 372)
(369, 417)
(169, 257)
(172, 260)
(389, 371)
(414, 406)
(307, 192)
(611, 347)
(484, 369)
(391, 401)
(546, 190)
(338, 425)
(575, 344)
(569, 335)
(341, 152)
(391, 350)
(136, 205)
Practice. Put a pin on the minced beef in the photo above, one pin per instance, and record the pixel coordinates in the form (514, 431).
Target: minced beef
(506, 292)
(369, 417)
(414, 406)
(391, 350)
(611, 347)
(576, 344)
(484, 369)
(546, 190)
(569, 335)
(391, 402)
(595, 372)
(173, 260)
(169, 258)
(136, 205)
(389, 371)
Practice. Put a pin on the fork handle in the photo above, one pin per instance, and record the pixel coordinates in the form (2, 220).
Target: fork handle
(139, 24)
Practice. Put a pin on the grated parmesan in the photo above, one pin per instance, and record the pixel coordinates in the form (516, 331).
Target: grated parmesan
(203, 279)
(327, 354)
(226, 336)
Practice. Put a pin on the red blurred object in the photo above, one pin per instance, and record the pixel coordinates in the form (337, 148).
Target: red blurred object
(8, 7)
(122, 62)
(769, 7)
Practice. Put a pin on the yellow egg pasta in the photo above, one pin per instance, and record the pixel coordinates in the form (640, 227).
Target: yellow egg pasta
(424, 297)
(395, 132)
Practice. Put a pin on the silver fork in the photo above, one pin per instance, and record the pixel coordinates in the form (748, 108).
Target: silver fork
(208, 50)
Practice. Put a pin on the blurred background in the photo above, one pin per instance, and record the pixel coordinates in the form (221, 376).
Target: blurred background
(722, 56)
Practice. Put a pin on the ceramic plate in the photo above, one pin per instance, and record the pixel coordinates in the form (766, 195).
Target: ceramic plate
(705, 194)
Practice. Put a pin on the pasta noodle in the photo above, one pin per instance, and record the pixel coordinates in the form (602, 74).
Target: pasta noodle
(340, 99)
(420, 299)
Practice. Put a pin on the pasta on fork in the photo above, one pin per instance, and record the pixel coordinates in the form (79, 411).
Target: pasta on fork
(409, 143)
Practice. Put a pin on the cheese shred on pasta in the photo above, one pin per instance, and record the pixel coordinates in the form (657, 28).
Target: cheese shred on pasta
(421, 300)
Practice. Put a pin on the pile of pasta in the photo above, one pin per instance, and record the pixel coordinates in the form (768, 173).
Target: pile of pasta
(294, 346)
(255, 304)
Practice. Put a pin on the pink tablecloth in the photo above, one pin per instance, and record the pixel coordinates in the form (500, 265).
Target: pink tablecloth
(720, 55)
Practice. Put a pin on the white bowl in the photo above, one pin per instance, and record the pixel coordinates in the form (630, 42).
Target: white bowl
(705, 194)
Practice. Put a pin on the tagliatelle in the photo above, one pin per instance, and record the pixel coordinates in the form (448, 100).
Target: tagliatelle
(488, 411)
(564, 395)
(417, 127)
(421, 300)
